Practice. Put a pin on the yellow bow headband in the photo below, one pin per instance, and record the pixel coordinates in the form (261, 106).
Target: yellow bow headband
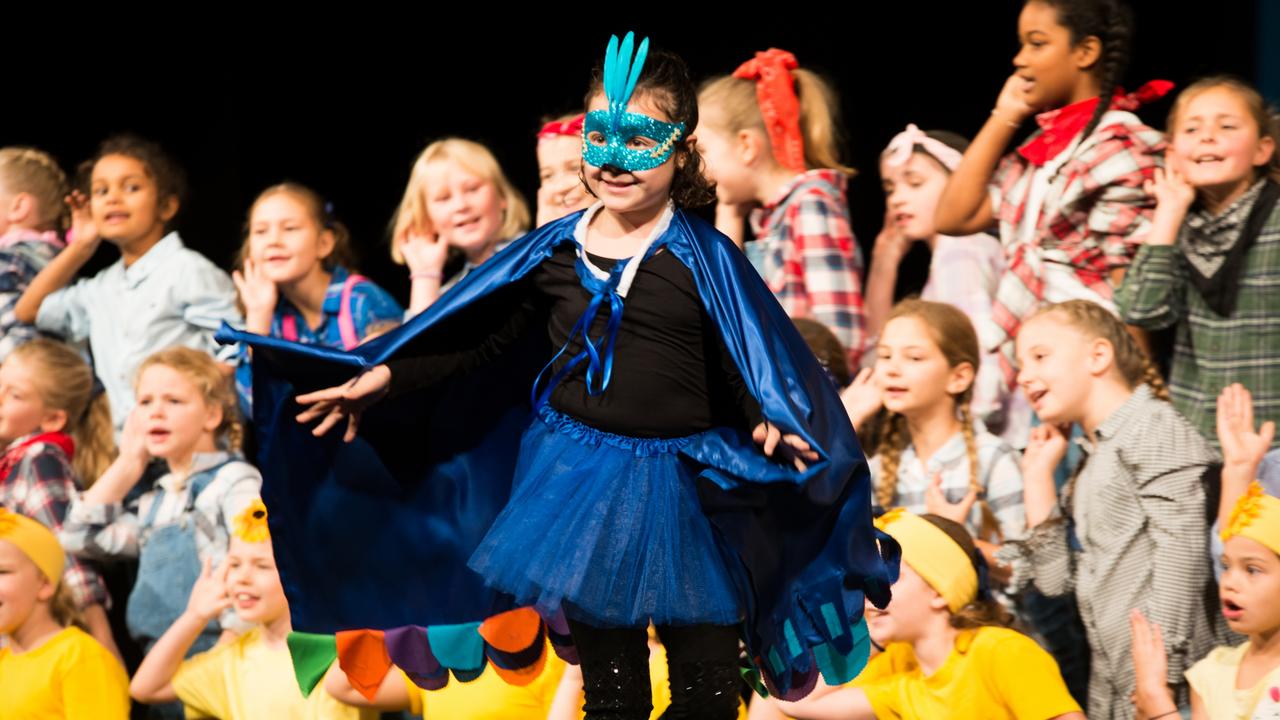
(35, 541)
(934, 556)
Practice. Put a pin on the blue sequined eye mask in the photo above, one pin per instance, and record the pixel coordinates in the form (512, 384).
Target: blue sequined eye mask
(631, 141)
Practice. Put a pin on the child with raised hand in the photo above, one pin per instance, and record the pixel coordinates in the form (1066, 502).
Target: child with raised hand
(1211, 263)
(963, 271)
(560, 187)
(157, 295)
(32, 217)
(769, 136)
(947, 646)
(933, 455)
(186, 415)
(457, 211)
(297, 279)
(57, 436)
(1232, 682)
(49, 667)
(1069, 202)
(1130, 530)
(251, 676)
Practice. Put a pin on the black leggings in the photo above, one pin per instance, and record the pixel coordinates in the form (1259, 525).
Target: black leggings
(702, 662)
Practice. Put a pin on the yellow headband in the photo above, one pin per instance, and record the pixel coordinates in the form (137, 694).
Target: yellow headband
(934, 556)
(1257, 517)
(35, 541)
(251, 525)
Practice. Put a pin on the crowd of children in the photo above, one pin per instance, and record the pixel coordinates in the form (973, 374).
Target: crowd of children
(1059, 531)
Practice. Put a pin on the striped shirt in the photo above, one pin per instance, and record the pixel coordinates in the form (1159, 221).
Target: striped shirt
(998, 472)
(1210, 351)
(1129, 533)
(810, 258)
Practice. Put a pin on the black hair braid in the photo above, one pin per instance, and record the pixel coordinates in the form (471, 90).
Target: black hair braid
(1117, 25)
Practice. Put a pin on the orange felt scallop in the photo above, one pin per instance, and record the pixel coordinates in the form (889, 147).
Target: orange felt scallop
(512, 631)
(362, 655)
(523, 676)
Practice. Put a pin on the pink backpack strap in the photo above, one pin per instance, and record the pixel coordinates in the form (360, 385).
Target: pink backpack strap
(346, 323)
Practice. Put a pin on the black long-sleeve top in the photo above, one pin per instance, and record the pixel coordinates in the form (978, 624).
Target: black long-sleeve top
(672, 375)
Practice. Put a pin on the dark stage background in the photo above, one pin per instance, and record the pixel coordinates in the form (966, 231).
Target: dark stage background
(345, 103)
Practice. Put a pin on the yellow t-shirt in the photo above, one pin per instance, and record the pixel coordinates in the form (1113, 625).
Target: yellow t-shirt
(246, 680)
(70, 676)
(992, 674)
(1214, 680)
(489, 696)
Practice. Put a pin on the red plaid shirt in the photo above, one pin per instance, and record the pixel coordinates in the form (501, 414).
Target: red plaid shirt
(1094, 217)
(40, 486)
(811, 260)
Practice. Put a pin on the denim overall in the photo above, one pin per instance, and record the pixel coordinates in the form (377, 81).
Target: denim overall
(168, 566)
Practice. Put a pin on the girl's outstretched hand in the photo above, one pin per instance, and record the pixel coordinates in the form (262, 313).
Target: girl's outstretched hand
(863, 398)
(348, 401)
(1170, 189)
(209, 596)
(84, 231)
(793, 447)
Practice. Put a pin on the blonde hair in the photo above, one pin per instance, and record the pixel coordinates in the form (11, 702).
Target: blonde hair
(31, 171)
(735, 103)
(1265, 116)
(476, 159)
(65, 382)
(342, 254)
(954, 335)
(214, 386)
(1096, 321)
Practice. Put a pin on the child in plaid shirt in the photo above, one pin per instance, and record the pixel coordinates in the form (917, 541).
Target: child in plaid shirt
(55, 430)
(1069, 203)
(1211, 265)
(768, 138)
(32, 212)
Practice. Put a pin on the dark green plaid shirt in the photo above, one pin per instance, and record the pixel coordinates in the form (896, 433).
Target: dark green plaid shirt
(1212, 351)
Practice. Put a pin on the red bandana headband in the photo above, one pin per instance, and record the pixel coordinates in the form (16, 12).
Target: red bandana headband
(776, 95)
(555, 128)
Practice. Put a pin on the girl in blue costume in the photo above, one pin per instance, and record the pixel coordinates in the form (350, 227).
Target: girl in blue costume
(638, 495)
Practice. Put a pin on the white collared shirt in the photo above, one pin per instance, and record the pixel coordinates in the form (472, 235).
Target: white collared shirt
(169, 296)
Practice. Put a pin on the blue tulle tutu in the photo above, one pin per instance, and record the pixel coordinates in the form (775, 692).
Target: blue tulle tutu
(609, 529)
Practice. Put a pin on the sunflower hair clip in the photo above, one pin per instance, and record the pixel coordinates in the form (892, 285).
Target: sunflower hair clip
(251, 525)
(1247, 509)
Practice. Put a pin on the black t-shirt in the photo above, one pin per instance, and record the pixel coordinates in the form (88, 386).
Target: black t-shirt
(672, 375)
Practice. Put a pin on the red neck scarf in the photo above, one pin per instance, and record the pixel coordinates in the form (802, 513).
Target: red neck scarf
(1060, 127)
(776, 95)
(14, 454)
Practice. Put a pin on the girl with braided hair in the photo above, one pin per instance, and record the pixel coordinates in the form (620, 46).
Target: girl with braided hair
(934, 456)
(1069, 203)
(1129, 531)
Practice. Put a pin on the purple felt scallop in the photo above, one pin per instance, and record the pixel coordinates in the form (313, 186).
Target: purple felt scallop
(410, 651)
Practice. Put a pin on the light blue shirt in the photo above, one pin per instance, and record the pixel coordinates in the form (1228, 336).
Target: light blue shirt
(169, 296)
